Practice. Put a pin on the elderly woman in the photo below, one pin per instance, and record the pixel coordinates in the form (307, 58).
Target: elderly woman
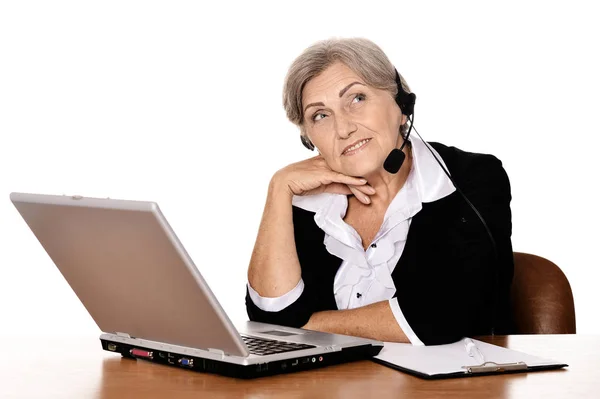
(347, 245)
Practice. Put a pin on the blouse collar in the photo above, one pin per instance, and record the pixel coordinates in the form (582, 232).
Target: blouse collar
(426, 182)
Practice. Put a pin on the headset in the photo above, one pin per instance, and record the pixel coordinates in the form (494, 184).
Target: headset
(393, 163)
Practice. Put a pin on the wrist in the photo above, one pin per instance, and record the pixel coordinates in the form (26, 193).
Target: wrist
(310, 324)
(318, 321)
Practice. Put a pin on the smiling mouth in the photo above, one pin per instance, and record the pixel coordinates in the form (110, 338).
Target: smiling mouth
(355, 147)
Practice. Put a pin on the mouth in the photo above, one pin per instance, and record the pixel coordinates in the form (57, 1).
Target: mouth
(355, 147)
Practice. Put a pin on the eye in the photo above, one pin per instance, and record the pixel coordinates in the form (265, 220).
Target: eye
(318, 116)
(359, 97)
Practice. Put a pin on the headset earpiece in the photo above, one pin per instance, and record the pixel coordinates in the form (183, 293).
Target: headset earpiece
(406, 101)
(307, 143)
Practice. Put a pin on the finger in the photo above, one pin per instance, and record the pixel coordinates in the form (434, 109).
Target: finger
(367, 189)
(341, 178)
(334, 188)
(337, 188)
(362, 197)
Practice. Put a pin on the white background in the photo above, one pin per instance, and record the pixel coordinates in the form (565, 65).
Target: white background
(180, 103)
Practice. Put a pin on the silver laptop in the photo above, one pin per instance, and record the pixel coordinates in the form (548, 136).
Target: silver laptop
(140, 286)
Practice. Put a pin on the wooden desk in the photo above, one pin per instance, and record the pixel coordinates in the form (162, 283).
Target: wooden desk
(76, 367)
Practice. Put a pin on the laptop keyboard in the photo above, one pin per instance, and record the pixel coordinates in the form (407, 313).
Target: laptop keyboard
(262, 346)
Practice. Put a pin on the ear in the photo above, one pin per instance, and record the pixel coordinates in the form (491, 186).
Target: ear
(403, 120)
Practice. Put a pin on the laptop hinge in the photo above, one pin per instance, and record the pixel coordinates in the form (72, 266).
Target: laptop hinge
(217, 351)
(124, 335)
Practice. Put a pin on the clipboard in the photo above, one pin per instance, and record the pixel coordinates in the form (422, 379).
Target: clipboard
(455, 360)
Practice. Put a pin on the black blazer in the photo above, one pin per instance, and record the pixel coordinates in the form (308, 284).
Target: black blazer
(447, 277)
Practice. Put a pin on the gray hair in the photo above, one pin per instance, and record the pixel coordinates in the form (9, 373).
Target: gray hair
(362, 56)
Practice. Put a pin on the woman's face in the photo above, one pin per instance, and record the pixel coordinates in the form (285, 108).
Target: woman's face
(353, 126)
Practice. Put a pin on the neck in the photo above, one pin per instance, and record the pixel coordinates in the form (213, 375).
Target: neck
(387, 185)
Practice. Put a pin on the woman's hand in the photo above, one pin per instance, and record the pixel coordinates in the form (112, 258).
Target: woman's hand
(313, 176)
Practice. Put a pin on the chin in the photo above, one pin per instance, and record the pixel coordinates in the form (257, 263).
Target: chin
(361, 167)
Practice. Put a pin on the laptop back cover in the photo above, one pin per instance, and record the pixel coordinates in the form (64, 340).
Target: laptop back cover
(129, 270)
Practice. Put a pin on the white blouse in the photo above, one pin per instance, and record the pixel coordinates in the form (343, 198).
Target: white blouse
(365, 277)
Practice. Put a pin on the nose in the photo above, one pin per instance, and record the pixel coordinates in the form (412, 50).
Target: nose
(344, 127)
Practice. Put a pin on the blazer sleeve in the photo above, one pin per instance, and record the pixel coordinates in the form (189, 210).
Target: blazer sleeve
(467, 291)
(297, 314)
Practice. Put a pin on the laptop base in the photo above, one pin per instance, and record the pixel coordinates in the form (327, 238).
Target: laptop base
(240, 371)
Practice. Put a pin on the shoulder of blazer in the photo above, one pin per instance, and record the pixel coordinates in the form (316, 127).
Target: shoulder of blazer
(461, 164)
